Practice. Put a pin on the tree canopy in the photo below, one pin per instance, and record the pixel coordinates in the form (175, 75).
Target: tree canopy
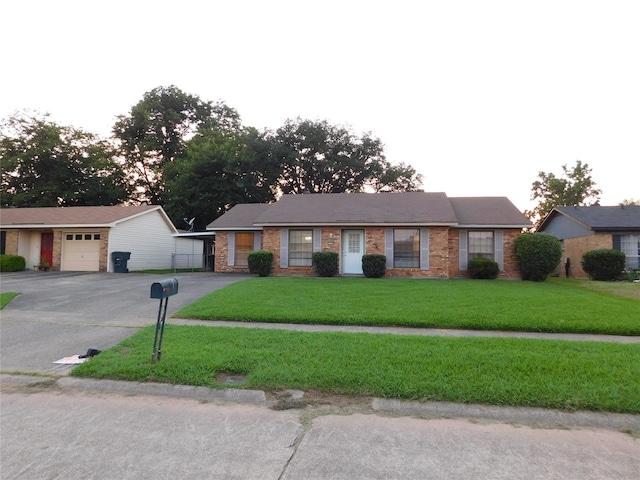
(317, 157)
(217, 171)
(575, 188)
(45, 164)
(156, 130)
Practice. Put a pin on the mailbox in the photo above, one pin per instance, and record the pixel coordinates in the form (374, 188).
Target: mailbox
(164, 288)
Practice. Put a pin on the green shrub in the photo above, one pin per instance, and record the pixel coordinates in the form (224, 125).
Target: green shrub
(483, 268)
(260, 262)
(12, 263)
(537, 255)
(374, 265)
(603, 264)
(325, 264)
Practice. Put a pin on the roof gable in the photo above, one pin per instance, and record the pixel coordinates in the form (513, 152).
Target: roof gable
(50, 217)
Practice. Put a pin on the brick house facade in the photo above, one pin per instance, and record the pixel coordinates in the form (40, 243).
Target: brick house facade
(581, 229)
(434, 235)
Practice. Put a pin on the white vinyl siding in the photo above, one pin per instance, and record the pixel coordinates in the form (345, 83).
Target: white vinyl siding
(149, 239)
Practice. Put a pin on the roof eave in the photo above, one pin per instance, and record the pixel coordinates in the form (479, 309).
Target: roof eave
(358, 224)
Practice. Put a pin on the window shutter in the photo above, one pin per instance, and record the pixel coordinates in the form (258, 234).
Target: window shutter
(462, 250)
(317, 239)
(284, 248)
(424, 249)
(498, 245)
(616, 242)
(257, 241)
(232, 249)
(388, 246)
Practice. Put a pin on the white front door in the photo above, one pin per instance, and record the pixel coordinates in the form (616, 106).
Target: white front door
(352, 251)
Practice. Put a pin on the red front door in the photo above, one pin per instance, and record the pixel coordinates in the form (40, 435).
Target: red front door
(46, 248)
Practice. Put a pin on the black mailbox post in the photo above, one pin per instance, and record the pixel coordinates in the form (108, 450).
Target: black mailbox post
(162, 290)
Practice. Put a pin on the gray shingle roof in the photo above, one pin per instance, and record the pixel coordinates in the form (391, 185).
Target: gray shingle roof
(407, 208)
(490, 211)
(360, 208)
(242, 216)
(602, 218)
(69, 216)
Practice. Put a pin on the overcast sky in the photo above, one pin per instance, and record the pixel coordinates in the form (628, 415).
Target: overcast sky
(479, 96)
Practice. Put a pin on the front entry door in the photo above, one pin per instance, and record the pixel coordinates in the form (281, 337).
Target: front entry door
(352, 251)
(46, 248)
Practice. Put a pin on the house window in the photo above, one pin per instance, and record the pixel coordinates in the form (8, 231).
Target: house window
(630, 246)
(406, 248)
(3, 242)
(300, 248)
(481, 245)
(244, 245)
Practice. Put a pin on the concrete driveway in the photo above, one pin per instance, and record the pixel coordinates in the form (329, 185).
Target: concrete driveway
(59, 314)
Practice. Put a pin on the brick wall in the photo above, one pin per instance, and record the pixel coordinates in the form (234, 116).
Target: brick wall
(443, 252)
(574, 248)
(510, 270)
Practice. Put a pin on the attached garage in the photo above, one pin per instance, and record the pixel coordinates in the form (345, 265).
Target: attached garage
(84, 238)
(81, 251)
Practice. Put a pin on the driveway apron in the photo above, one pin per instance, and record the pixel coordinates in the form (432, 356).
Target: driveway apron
(59, 314)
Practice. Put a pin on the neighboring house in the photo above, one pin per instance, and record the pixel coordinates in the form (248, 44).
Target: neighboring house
(581, 229)
(84, 238)
(421, 234)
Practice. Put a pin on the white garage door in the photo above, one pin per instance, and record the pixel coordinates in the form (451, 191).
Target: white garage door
(81, 252)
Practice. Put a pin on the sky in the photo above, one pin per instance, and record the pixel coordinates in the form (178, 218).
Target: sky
(478, 96)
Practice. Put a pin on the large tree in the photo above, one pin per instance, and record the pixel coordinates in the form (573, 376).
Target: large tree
(45, 165)
(156, 130)
(575, 187)
(217, 170)
(317, 157)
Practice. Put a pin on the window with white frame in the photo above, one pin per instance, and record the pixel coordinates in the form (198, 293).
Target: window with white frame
(481, 244)
(300, 248)
(630, 246)
(406, 248)
(244, 245)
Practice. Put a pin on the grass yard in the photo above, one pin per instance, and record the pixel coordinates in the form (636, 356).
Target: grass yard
(557, 305)
(6, 297)
(542, 373)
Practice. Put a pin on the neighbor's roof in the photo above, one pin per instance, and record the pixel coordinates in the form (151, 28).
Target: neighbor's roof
(387, 209)
(49, 217)
(488, 211)
(599, 218)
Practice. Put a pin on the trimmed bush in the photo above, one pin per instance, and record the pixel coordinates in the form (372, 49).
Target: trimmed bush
(12, 263)
(604, 264)
(483, 268)
(374, 265)
(325, 264)
(537, 255)
(260, 262)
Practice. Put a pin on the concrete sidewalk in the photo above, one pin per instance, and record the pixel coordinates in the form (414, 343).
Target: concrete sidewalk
(78, 428)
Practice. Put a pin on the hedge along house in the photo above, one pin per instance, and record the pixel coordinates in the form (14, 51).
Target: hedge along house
(421, 234)
(581, 229)
(83, 238)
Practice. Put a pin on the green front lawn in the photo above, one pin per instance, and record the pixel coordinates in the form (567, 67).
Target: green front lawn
(6, 297)
(499, 371)
(557, 305)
